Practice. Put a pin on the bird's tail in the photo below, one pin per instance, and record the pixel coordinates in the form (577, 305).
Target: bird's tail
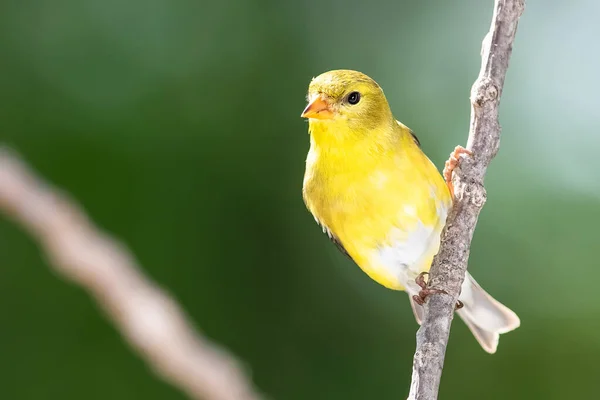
(485, 316)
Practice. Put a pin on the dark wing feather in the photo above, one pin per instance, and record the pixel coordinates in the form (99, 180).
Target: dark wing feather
(335, 240)
(415, 138)
(340, 246)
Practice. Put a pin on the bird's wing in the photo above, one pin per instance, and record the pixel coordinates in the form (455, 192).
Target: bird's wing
(340, 246)
(415, 138)
(334, 239)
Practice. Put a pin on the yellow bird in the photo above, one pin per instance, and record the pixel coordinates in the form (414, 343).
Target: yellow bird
(379, 198)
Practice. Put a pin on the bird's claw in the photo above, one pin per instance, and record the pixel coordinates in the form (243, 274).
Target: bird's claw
(425, 291)
(452, 163)
(420, 280)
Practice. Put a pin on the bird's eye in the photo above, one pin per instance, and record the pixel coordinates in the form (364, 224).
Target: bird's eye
(354, 98)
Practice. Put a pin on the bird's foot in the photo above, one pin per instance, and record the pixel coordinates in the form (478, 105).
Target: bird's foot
(452, 163)
(425, 291)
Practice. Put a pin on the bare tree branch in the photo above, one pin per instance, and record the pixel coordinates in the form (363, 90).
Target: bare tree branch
(148, 318)
(450, 264)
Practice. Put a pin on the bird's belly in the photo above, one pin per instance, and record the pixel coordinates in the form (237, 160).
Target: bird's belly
(396, 263)
(391, 247)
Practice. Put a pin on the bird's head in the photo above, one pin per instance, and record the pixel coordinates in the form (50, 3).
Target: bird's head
(346, 104)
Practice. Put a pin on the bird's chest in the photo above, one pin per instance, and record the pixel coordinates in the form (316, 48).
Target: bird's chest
(357, 207)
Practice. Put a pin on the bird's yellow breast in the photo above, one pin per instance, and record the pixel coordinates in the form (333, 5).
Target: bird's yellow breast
(386, 205)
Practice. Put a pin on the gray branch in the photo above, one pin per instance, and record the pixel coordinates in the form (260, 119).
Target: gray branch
(450, 264)
(148, 318)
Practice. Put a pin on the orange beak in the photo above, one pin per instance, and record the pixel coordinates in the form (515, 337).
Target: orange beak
(319, 108)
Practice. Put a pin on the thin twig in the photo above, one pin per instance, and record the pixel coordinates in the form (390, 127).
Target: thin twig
(449, 266)
(150, 320)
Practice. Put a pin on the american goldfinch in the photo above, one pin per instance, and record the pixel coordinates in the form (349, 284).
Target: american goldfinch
(379, 198)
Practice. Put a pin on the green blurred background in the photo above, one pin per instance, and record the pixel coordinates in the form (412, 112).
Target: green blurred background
(176, 124)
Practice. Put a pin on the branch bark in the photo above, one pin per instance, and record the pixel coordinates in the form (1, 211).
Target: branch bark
(147, 317)
(450, 264)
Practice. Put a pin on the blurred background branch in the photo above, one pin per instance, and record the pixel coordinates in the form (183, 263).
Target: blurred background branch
(149, 319)
(450, 264)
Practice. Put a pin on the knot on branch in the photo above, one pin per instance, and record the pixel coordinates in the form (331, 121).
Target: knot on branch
(520, 7)
(473, 193)
(484, 90)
